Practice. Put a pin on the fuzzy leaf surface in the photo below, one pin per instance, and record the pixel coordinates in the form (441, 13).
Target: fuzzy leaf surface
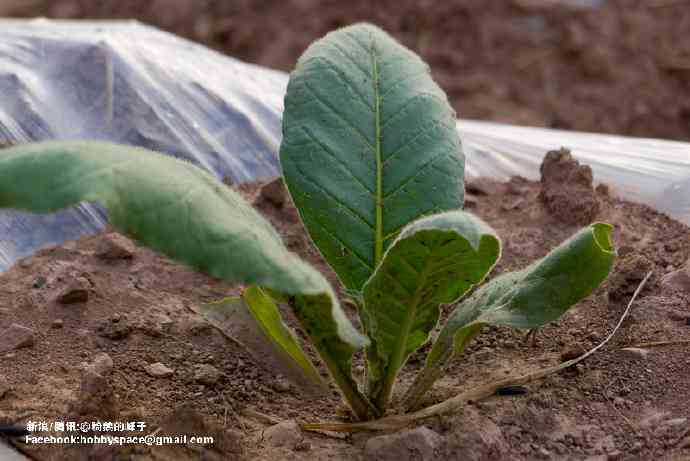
(369, 145)
(179, 210)
(529, 298)
(434, 261)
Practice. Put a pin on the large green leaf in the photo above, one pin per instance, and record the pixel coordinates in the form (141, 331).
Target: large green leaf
(183, 212)
(434, 261)
(529, 298)
(369, 145)
(253, 320)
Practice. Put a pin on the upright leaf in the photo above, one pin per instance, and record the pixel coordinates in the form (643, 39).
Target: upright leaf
(183, 212)
(529, 298)
(369, 145)
(434, 261)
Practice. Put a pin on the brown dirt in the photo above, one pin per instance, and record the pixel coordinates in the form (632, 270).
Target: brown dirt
(616, 405)
(567, 191)
(621, 67)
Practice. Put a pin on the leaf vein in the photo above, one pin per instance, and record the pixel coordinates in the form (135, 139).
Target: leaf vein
(343, 79)
(412, 100)
(357, 64)
(417, 173)
(357, 256)
(343, 164)
(424, 130)
(352, 212)
(349, 124)
(402, 80)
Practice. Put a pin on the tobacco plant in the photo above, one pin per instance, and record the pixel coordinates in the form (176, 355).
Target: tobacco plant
(373, 162)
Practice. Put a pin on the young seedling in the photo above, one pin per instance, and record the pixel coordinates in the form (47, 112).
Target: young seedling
(373, 162)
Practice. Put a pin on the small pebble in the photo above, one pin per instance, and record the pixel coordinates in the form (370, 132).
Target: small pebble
(102, 364)
(158, 370)
(284, 434)
(16, 337)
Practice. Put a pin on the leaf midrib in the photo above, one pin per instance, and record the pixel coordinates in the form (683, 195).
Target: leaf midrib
(378, 239)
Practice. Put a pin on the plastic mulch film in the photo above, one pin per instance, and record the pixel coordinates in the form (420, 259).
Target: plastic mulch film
(128, 83)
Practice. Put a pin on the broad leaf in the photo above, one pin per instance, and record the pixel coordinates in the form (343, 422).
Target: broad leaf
(183, 212)
(434, 261)
(529, 298)
(254, 321)
(369, 145)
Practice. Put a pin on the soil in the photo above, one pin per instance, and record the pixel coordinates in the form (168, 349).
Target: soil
(104, 330)
(612, 66)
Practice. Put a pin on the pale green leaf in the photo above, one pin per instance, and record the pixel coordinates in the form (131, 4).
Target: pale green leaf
(369, 145)
(529, 298)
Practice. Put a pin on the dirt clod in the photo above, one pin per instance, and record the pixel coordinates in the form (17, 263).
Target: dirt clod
(285, 434)
(159, 370)
(77, 291)
(629, 272)
(114, 247)
(419, 444)
(474, 437)
(16, 337)
(95, 398)
(102, 364)
(206, 374)
(274, 192)
(566, 188)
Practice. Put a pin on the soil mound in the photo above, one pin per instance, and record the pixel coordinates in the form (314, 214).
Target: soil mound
(566, 188)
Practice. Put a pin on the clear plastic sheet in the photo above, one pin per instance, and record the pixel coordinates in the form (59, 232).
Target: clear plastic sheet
(129, 83)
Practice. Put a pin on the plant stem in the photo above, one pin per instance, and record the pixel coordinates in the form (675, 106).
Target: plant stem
(396, 422)
(430, 373)
(360, 405)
